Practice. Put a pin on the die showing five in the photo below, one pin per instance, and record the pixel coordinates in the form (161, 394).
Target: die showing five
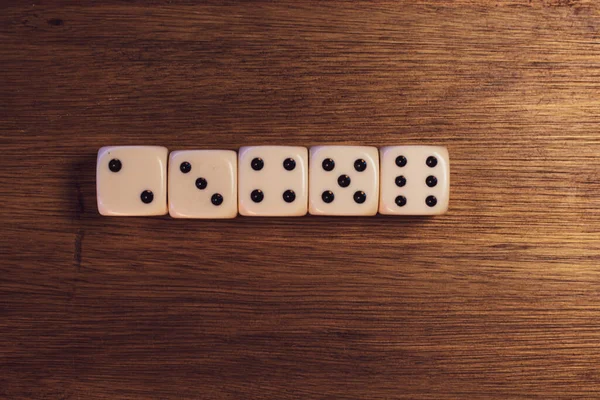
(343, 180)
(273, 181)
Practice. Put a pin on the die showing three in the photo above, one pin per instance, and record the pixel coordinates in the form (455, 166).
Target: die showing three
(203, 184)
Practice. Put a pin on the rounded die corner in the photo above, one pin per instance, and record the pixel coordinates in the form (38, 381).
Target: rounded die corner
(104, 150)
(176, 153)
(174, 214)
(103, 211)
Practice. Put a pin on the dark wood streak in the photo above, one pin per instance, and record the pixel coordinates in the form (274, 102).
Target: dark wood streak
(497, 299)
(78, 245)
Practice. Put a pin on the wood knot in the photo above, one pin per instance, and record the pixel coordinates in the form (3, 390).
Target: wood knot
(56, 22)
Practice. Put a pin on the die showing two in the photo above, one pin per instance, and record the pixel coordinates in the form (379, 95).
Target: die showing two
(273, 181)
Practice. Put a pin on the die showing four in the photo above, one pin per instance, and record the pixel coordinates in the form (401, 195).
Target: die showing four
(273, 181)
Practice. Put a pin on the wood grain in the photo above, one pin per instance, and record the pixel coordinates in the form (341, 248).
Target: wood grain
(500, 298)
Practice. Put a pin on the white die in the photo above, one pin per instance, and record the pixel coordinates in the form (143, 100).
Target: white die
(203, 184)
(415, 180)
(344, 180)
(272, 180)
(132, 180)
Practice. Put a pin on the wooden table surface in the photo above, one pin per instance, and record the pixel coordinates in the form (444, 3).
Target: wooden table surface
(500, 298)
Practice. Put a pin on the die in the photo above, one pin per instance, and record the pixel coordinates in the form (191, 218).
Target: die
(203, 184)
(344, 180)
(415, 180)
(132, 180)
(272, 181)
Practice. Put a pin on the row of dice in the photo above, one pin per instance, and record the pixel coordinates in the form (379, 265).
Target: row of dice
(273, 181)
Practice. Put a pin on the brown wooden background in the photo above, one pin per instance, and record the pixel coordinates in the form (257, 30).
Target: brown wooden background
(500, 298)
